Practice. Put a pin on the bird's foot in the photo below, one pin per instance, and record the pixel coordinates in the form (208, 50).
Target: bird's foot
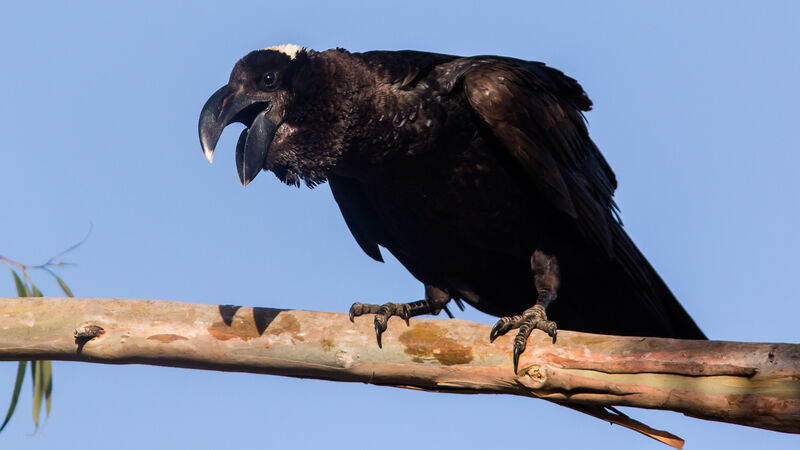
(387, 310)
(532, 318)
(382, 314)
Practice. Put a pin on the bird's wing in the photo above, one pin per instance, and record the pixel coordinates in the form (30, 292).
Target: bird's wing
(534, 111)
(357, 213)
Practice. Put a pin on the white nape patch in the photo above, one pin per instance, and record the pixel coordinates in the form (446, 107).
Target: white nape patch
(291, 50)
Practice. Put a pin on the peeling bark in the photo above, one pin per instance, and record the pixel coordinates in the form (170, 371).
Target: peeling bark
(752, 384)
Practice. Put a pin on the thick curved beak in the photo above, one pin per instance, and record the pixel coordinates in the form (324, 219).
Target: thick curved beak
(226, 106)
(214, 117)
(253, 145)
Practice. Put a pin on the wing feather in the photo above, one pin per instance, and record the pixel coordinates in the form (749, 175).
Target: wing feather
(535, 113)
(358, 214)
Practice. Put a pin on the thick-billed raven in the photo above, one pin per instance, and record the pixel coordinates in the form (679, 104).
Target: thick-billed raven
(477, 173)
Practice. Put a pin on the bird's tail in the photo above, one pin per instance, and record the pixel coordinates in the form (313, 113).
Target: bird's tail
(667, 315)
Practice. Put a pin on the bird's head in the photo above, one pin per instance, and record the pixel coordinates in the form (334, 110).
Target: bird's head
(274, 92)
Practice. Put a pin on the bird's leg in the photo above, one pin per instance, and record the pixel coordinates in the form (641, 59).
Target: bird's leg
(435, 300)
(546, 278)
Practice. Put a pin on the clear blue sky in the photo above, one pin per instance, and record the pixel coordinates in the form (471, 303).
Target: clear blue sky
(696, 110)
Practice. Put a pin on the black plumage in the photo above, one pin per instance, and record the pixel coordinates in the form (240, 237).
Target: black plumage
(477, 174)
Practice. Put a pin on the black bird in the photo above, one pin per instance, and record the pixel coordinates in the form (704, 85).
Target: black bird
(477, 174)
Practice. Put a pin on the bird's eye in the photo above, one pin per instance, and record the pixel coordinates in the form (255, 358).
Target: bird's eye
(270, 80)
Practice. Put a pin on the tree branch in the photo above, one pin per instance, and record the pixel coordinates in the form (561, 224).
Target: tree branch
(749, 384)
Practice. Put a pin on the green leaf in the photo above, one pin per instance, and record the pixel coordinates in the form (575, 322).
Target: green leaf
(22, 290)
(42, 377)
(64, 287)
(41, 371)
(15, 394)
(47, 369)
(38, 391)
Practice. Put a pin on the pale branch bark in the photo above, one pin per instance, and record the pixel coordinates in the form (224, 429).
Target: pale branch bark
(753, 384)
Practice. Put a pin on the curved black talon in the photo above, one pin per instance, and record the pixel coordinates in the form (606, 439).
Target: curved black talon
(553, 332)
(496, 330)
(517, 351)
(521, 341)
(380, 327)
(404, 313)
(447, 311)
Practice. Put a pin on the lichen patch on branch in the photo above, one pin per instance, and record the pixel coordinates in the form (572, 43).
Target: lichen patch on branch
(167, 338)
(241, 327)
(287, 324)
(427, 341)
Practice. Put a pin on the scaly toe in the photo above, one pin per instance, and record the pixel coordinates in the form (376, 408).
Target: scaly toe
(383, 313)
(503, 326)
(548, 327)
(355, 310)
